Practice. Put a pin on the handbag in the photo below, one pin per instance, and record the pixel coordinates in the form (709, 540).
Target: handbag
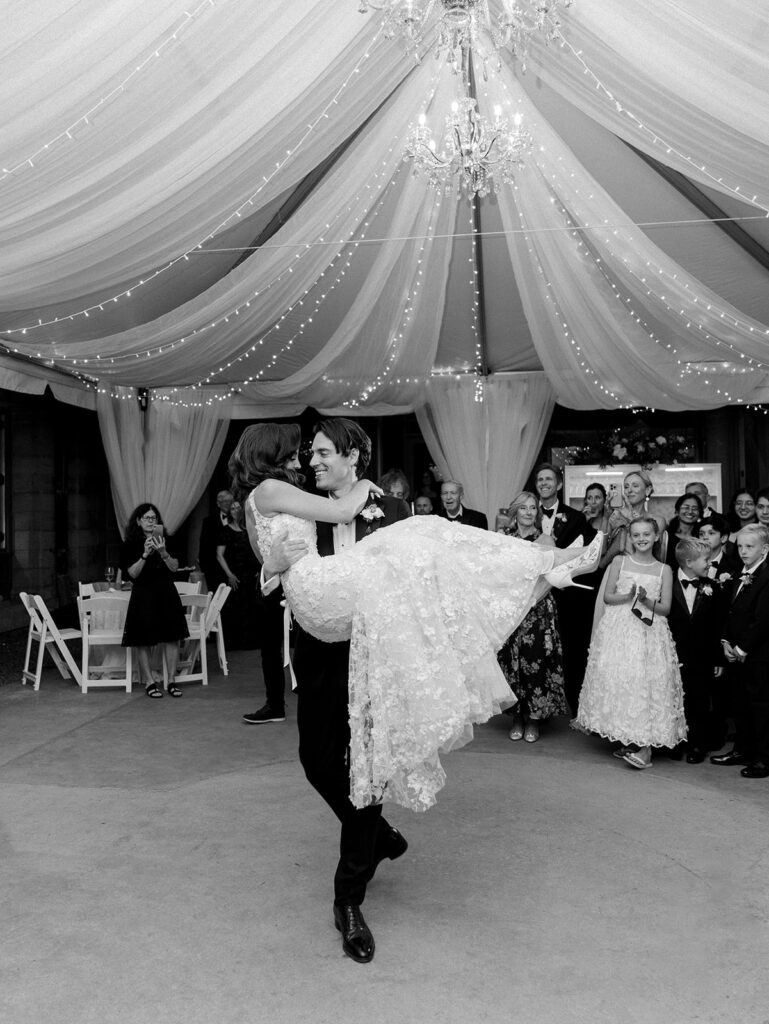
(646, 615)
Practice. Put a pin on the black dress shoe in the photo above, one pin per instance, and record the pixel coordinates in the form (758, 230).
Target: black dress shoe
(730, 759)
(755, 771)
(391, 845)
(357, 940)
(695, 756)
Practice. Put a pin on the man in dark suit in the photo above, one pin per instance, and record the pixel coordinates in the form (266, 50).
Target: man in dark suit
(746, 649)
(701, 490)
(341, 451)
(696, 616)
(453, 509)
(210, 534)
(565, 524)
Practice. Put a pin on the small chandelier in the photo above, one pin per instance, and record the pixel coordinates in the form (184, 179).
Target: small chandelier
(448, 26)
(474, 155)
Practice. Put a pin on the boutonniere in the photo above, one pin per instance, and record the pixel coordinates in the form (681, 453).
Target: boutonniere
(371, 512)
(706, 590)
(560, 517)
(746, 579)
(724, 577)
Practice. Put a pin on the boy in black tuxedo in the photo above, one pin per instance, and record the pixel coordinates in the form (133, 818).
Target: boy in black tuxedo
(745, 640)
(715, 531)
(695, 620)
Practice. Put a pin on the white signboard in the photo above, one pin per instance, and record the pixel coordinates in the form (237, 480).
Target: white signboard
(669, 483)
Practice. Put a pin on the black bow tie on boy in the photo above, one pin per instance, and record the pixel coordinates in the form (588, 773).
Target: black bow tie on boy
(690, 583)
(547, 511)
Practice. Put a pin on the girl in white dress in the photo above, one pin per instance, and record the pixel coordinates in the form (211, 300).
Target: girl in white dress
(426, 604)
(632, 690)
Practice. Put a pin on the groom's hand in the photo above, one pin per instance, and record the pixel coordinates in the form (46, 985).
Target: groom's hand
(283, 553)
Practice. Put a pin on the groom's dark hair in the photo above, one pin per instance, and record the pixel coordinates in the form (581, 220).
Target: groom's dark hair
(345, 435)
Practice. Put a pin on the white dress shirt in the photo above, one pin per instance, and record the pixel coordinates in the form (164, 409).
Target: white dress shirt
(344, 536)
(548, 522)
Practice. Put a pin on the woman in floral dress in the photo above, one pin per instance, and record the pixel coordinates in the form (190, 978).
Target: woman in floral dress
(531, 658)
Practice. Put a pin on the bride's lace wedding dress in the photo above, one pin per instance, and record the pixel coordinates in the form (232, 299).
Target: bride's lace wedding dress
(426, 605)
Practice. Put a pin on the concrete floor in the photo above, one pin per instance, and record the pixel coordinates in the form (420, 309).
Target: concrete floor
(163, 863)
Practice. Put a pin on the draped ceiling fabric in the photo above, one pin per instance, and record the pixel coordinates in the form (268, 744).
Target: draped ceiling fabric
(165, 455)
(208, 198)
(471, 440)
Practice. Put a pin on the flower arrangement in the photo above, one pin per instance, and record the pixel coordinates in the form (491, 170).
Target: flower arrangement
(638, 445)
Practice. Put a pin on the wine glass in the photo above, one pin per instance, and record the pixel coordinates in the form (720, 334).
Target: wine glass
(109, 574)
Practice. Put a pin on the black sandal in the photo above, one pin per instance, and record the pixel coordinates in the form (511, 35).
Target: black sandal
(173, 690)
(154, 691)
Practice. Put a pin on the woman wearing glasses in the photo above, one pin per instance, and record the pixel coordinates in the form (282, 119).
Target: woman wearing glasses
(155, 614)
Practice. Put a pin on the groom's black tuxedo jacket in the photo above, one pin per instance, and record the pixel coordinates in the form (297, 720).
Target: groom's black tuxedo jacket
(394, 510)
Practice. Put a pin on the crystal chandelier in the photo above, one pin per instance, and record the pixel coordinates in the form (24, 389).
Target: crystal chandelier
(474, 155)
(448, 26)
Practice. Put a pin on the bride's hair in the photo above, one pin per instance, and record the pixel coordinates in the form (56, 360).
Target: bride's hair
(262, 453)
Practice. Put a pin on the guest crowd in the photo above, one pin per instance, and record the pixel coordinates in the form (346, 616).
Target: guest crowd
(665, 646)
(670, 646)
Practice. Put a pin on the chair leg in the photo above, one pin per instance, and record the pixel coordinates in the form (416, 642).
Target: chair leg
(39, 662)
(203, 661)
(85, 670)
(129, 668)
(25, 670)
(59, 662)
(220, 650)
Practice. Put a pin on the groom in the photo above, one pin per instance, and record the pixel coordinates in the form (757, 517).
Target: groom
(341, 452)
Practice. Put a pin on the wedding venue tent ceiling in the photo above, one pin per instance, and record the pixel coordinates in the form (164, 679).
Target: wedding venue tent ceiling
(208, 199)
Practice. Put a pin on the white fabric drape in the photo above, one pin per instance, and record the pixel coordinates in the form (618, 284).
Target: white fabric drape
(486, 433)
(344, 307)
(165, 456)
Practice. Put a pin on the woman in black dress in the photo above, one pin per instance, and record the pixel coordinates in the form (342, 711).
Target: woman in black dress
(532, 658)
(155, 614)
(240, 614)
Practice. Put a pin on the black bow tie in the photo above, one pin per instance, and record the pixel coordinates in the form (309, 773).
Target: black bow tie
(689, 583)
(548, 512)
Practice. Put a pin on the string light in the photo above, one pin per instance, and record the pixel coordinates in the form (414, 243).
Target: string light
(68, 134)
(656, 139)
(232, 216)
(371, 185)
(646, 277)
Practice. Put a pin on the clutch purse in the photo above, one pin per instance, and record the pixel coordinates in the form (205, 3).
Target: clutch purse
(646, 615)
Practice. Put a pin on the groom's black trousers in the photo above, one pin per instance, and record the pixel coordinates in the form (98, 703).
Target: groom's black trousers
(324, 737)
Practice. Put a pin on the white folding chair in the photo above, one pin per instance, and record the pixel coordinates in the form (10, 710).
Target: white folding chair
(189, 588)
(102, 618)
(218, 633)
(43, 629)
(202, 612)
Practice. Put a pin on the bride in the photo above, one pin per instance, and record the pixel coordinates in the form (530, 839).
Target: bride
(425, 603)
